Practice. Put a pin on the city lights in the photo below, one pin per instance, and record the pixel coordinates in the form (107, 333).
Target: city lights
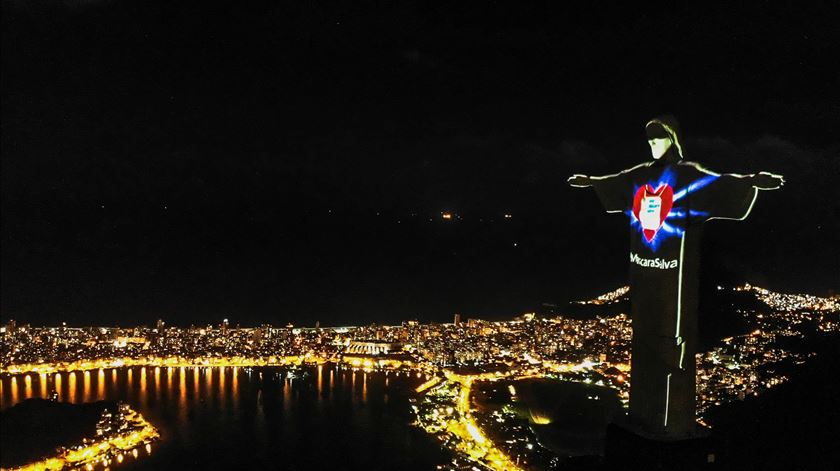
(455, 360)
(123, 431)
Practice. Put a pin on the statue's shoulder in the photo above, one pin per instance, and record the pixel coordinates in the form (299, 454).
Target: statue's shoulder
(695, 166)
(639, 166)
(624, 172)
(689, 163)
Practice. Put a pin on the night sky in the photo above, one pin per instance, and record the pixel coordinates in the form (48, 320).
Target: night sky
(281, 161)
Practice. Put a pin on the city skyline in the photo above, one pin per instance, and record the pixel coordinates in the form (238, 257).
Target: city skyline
(450, 360)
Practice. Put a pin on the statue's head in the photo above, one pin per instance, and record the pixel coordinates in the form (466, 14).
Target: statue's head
(663, 137)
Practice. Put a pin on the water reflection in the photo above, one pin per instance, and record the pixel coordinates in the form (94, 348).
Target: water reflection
(42, 385)
(302, 409)
(28, 382)
(320, 380)
(364, 387)
(71, 387)
(287, 395)
(168, 379)
(182, 387)
(235, 389)
(86, 396)
(157, 384)
(183, 407)
(100, 384)
(14, 390)
(222, 385)
(260, 417)
(143, 390)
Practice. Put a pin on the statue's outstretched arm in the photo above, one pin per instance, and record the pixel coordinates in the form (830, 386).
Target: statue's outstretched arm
(732, 196)
(613, 190)
(584, 181)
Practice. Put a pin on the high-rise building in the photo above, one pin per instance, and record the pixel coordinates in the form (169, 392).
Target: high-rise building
(457, 319)
(10, 327)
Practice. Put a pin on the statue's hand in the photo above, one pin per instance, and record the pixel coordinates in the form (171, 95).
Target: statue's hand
(580, 181)
(768, 181)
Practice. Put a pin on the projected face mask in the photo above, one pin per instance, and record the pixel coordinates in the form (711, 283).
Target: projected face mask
(659, 145)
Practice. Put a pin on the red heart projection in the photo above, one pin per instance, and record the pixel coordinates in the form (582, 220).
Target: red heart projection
(651, 207)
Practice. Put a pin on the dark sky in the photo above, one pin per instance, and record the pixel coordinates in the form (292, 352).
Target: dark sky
(280, 161)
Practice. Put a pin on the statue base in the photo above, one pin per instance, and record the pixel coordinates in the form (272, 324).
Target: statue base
(628, 448)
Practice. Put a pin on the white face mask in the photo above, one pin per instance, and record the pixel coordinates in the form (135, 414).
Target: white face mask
(658, 146)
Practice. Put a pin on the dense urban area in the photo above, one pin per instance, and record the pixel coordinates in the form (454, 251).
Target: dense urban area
(458, 359)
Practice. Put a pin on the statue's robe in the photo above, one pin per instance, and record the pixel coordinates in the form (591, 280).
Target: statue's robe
(667, 202)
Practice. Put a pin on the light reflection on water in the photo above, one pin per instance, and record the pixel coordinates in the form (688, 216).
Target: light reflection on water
(100, 385)
(87, 395)
(246, 418)
(72, 387)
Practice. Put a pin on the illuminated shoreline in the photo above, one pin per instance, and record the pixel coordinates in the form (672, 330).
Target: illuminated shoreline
(106, 363)
(104, 452)
(469, 440)
(590, 351)
(210, 362)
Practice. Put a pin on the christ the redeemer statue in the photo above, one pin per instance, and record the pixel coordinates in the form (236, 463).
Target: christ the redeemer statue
(667, 200)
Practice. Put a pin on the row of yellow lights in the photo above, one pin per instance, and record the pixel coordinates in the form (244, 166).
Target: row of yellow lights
(473, 442)
(85, 365)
